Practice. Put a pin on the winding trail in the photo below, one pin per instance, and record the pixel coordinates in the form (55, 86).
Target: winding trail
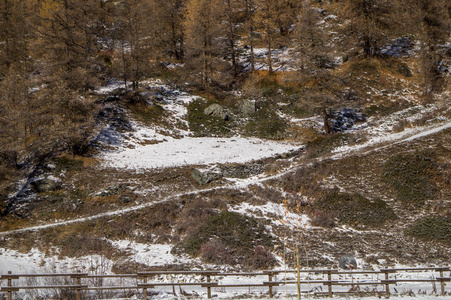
(341, 153)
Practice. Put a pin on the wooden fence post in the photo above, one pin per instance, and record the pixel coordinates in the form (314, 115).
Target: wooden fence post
(209, 287)
(78, 279)
(387, 285)
(329, 278)
(9, 284)
(145, 289)
(270, 285)
(442, 283)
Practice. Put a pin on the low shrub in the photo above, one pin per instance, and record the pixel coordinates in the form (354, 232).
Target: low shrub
(325, 143)
(214, 251)
(410, 175)
(268, 86)
(322, 219)
(233, 235)
(266, 123)
(67, 163)
(147, 113)
(386, 108)
(368, 67)
(76, 245)
(262, 258)
(432, 228)
(307, 180)
(354, 209)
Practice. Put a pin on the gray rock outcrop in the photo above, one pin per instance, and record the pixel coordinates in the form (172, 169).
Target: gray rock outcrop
(47, 183)
(248, 107)
(347, 262)
(113, 190)
(242, 171)
(217, 111)
(344, 119)
(204, 176)
(404, 69)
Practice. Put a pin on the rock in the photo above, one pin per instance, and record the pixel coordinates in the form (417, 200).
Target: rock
(401, 47)
(49, 167)
(347, 262)
(204, 176)
(113, 190)
(125, 199)
(345, 119)
(290, 135)
(46, 183)
(248, 107)
(217, 111)
(242, 171)
(404, 70)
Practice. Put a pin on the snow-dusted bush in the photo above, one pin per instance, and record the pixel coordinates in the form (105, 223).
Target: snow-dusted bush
(354, 209)
(234, 237)
(432, 228)
(410, 176)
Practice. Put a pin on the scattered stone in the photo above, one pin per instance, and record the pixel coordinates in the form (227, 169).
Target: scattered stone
(125, 199)
(290, 135)
(404, 70)
(49, 167)
(242, 171)
(347, 262)
(46, 183)
(217, 111)
(113, 190)
(344, 119)
(401, 47)
(204, 176)
(248, 107)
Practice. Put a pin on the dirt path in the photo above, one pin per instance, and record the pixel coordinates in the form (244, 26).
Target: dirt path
(345, 152)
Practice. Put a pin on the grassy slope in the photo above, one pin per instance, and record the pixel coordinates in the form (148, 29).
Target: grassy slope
(378, 88)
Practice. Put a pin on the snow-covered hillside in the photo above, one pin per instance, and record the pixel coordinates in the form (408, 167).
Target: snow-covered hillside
(154, 150)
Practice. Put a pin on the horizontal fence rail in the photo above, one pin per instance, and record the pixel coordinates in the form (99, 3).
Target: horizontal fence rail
(141, 283)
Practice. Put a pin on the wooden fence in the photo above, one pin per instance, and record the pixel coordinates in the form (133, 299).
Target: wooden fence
(140, 283)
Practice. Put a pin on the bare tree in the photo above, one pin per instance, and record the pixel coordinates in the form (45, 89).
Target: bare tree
(169, 27)
(432, 20)
(250, 10)
(316, 62)
(205, 44)
(371, 24)
(14, 36)
(267, 16)
(136, 33)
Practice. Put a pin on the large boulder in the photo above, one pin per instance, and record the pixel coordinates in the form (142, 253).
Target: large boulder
(46, 183)
(347, 262)
(217, 111)
(344, 119)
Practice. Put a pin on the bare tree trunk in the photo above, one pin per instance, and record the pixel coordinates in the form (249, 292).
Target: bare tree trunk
(231, 39)
(252, 46)
(269, 50)
(326, 117)
(124, 64)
